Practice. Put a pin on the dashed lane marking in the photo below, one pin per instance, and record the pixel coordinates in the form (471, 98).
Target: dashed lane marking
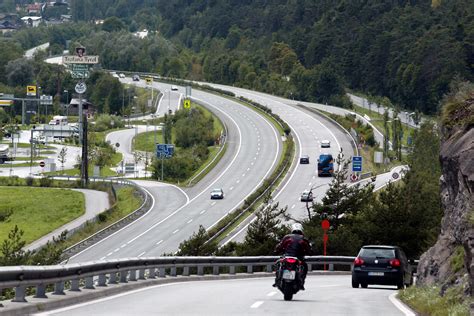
(159, 242)
(256, 304)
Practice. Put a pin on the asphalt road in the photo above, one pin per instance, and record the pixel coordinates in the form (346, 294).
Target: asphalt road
(252, 153)
(324, 295)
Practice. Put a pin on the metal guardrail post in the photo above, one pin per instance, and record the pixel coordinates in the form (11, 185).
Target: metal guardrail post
(200, 270)
(133, 275)
(249, 268)
(173, 271)
(232, 270)
(89, 283)
(40, 291)
(102, 280)
(310, 267)
(75, 285)
(123, 276)
(269, 267)
(331, 267)
(152, 273)
(215, 270)
(141, 274)
(162, 272)
(186, 271)
(20, 293)
(59, 288)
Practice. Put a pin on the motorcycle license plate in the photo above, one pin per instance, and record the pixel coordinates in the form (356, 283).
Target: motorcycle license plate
(289, 275)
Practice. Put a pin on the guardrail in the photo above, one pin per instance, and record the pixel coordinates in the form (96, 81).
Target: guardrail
(90, 275)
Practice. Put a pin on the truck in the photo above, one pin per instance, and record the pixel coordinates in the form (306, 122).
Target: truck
(4, 153)
(58, 120)
(325, 165)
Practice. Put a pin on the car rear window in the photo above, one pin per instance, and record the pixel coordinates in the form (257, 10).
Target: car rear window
(377, 253)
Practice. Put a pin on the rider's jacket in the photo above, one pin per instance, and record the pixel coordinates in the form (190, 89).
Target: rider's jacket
(294, 245)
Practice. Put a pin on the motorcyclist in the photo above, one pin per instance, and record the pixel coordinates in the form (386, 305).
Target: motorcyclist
(295, 245)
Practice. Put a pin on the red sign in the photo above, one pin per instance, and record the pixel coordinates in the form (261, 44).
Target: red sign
(42, 164)
(325, 224)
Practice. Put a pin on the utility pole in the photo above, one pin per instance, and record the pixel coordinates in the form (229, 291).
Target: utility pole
(84, 164)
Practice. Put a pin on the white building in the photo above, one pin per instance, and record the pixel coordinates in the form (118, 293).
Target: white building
(32, 21)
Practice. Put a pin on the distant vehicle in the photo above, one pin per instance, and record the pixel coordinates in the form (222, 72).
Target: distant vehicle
(174, 88)
(121, 75)
(307, 196)
(217, 194)
(325, 165)
(136, 78)
(304, 159)
(384, 265)
(58, 120)
(325, 144)
(115, 75)
(4, 153)
(39, 139)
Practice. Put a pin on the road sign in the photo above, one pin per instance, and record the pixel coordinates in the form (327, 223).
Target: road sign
(81, 87)
(79, 67)
(6, 102)
(353, 177)
(80, 74)
(325, 224)
(356, 164)
(42, 164)
(31, 91)
(149, 80)
(164, 150)
(395, 175)
(46, 99)
(187, 103)
(80, 60)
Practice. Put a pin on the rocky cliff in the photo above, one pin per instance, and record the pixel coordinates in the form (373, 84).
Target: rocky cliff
(450, 261)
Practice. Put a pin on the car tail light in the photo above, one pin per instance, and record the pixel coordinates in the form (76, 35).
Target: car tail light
(395, 263)
(290, 260)
(358, 262)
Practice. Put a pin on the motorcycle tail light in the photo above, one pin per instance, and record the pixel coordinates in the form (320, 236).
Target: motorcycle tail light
(290, 260)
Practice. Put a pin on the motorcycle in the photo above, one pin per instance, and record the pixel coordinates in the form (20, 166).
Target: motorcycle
(288, 276)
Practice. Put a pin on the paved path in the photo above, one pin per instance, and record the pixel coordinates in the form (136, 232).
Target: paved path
(96, 202)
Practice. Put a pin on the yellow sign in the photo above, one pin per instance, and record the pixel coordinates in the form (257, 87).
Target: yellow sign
(31, 90)
(187, 103)
(6, 102)
(149, 80)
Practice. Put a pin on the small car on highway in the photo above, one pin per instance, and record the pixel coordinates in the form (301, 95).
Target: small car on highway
(136, 78)
(383, 265)
(217, 194)
(121, 75)
(306, 196)
(174, 88)
(325, 144)
(304, 159)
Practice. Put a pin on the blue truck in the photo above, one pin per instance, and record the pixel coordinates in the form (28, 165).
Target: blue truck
(325, 165)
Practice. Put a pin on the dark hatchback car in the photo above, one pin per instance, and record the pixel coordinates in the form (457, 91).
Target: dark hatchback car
(384, 265)
(304, 159)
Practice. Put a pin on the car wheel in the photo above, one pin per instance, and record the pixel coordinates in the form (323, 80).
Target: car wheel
(355, 284)
(363, 285)
(400, 285)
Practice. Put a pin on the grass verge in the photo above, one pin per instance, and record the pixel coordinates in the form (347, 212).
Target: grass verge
(37, 211)
(428, 301)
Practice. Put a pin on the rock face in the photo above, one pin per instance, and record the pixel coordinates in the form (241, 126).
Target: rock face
(457, 227)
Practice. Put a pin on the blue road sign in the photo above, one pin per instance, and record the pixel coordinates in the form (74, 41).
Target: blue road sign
(164, 150)
(356, 164)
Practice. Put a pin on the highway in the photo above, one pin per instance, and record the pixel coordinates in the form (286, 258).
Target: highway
(253, 150)
(324, 295)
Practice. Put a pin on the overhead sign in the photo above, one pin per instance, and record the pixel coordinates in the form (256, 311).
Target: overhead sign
(187, 103)
(81, 87)
(164, 150)
(31, 91)
(6, 102)
(80, 60)
(357, 164)
(46, 99)
(79, 74)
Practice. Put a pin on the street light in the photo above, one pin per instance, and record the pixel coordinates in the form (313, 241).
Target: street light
(67, 102)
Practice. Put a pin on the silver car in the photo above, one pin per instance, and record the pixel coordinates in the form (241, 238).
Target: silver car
(217, 194)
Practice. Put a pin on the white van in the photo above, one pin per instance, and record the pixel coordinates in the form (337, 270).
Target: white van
(58, 120)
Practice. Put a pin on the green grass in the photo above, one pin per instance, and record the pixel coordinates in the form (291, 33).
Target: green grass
(127, 202)
(377, 120)
(38, 211)
(427, 301)
(146, 141)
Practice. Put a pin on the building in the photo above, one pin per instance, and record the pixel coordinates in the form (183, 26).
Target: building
(9, 23)
(87, 107)
(32, 21)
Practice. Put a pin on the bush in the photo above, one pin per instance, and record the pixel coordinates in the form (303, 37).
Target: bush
(29, 181)
(45, 182)
(5, 214)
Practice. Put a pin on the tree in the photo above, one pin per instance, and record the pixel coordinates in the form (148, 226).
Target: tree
(113, 24)
(197, 245)
(62, 157)
(386, 135)
(19, 72)
(12, 253)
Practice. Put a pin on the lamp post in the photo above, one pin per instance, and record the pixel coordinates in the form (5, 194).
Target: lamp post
(67, 102)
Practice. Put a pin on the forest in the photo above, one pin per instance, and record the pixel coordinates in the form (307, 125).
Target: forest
(406, 50)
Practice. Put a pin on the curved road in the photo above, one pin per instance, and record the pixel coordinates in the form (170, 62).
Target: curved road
(324, 295)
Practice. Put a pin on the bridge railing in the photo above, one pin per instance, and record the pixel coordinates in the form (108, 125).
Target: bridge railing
(88, 275)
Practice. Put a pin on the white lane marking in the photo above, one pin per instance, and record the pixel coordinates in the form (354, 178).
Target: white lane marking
(123, 246)
(256, 304)
(293, 206)
(243, 175)
(159, 242)
(231, 188)
(103, 258)
(141, 254)
(109, 254)
(252, 163)
(203, 211)
(175, 231)
(116, 249)
(310, 184)
(213, 203)
(271, 293)
(402, 307)
(248, 169)
(238, 181)
(190, 221)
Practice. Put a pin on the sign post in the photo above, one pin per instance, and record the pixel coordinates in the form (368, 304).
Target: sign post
(325, 226)
(356, 164)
